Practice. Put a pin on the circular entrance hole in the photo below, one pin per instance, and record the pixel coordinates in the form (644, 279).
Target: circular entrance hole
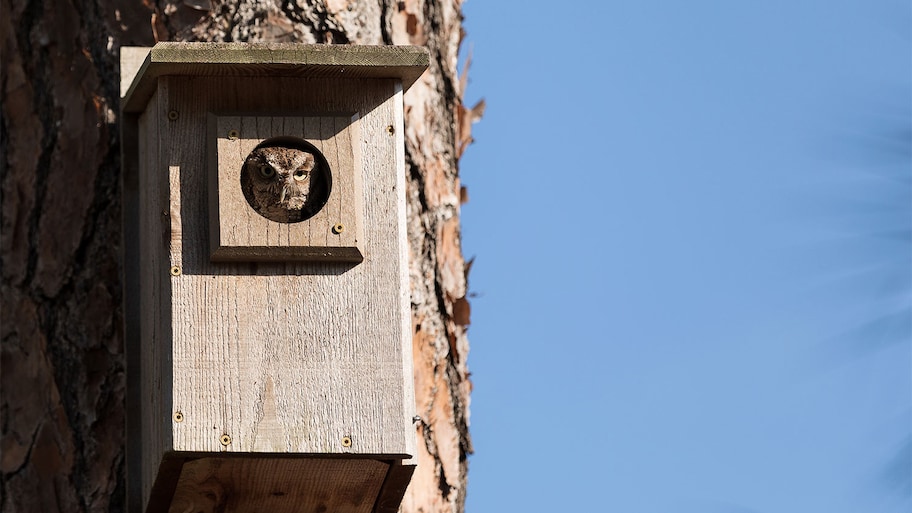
(286, 179)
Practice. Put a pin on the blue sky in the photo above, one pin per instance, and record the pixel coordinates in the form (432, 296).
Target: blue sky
(692, 224)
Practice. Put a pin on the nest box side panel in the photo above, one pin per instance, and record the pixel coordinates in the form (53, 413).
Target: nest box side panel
(291, 357)
(405, 303)
(154, 345)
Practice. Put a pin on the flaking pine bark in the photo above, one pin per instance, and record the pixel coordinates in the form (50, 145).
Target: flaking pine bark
(62, 376)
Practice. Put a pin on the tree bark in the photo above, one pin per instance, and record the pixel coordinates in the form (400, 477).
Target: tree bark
(62, 374)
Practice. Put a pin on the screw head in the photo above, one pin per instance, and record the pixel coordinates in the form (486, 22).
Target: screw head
(338, 228)
(173, 115)
(175, 270)
(390, 129)
(233, 135)
(346, 441)
(178, 416)
(225, 440)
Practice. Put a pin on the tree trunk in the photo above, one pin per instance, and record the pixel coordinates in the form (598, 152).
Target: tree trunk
(62, 409)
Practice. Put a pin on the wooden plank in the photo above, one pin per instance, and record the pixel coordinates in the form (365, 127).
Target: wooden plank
(405, 63)
(393, 489)
(155, 296)
(278, 485)
(132, 311)
(148, 155)
(350, 198)
(401, 221)
(131, 61)
(333, 145)
(333, 339)
(130, 159)
(162, 489)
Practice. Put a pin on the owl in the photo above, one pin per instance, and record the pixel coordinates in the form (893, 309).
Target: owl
(279, 183)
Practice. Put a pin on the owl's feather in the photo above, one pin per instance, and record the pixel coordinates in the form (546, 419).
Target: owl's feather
(278, 182)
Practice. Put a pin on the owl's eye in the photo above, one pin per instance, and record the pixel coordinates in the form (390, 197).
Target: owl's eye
(300, 174)
(267, 171)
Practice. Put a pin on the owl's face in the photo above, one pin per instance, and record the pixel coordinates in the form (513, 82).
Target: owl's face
(280, 179)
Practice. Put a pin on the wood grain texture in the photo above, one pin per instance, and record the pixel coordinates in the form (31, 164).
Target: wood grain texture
(285, 357)
(404, 63)
(278, 485)
(394, 486)
(132, 59)
(154, 344)
(239, 233)
(329, 336)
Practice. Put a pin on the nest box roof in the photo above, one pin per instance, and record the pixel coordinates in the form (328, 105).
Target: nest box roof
(405, 63)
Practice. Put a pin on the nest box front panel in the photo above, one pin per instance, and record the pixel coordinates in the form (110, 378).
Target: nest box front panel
(284, 188)
(287, 355)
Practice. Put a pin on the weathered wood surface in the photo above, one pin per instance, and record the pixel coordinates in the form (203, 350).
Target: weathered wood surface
(238, 233)
(62, 372)
(282, 357)
(278, 485)
(405, 63)
(329, 335)
(152, 436)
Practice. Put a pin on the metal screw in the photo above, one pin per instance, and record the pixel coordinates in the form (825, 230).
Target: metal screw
(346, 441)
(175, 270)
(338, 228)
(225, 440)
(178, 416)
(390, 130)
(173, 115)
(233, 135)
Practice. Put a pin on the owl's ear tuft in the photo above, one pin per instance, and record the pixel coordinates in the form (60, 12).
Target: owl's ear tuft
(309, 162)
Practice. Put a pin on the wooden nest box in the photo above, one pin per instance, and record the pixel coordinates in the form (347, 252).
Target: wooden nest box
(267, 296)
